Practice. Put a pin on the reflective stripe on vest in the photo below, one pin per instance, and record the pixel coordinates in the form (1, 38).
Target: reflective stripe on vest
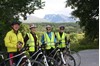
(31, 42)
(62, 39)
(50, 42)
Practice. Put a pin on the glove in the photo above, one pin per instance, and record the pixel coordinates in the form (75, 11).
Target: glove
(60, 42)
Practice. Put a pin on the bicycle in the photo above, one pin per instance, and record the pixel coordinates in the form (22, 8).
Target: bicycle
(2, 57)
(63, 58)
(73, 53)
(27, 62)
(47, 61)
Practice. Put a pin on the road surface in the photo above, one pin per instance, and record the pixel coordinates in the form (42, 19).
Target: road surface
(89, 57)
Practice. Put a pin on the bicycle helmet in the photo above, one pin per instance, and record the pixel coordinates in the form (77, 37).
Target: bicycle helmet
(15, 22)
(61, 27)
(48, 26)
(32, 26)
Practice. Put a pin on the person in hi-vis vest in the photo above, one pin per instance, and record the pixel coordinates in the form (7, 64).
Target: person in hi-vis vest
(61, 37)
(49, 39)
(31, 40)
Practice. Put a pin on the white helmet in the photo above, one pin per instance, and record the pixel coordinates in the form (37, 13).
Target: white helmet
(32, 26)
(48, 26)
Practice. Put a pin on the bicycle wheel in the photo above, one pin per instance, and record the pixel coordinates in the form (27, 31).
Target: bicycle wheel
(36, 63)
(57, 57)
(77, 57)
(51, 61)
(3, 64)
(70, 61)
(33, 63)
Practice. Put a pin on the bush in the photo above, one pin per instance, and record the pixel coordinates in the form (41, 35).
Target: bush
(83, 43)
(73, 38)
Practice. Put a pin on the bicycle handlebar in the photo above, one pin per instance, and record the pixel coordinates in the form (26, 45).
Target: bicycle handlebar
(44, 44)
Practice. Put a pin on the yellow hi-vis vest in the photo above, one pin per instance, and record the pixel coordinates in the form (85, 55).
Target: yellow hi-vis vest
(62, 39)
(31, 42)
(50, 42)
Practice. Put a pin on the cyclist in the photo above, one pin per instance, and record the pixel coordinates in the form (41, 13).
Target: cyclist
(49, 38)
(31, 40)
(61, 37)
(14, 42)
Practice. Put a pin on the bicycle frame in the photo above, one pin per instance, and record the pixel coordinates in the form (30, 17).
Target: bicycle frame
(41, 53)
(23, 57)
(2, 56)
(57, 50)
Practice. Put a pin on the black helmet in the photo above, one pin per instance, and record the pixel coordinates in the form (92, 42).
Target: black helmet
(61, 27)
(15, 22)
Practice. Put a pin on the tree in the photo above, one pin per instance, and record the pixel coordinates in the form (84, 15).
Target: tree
(14, 8)
(88, 13)
(11, 10)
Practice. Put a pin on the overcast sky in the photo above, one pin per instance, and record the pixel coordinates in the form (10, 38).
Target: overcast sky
(53, 7)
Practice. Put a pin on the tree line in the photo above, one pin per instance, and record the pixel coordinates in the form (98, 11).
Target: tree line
(86, 10)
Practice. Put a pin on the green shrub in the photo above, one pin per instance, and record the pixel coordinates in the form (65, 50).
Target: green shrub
(79, 42)
(73, 38)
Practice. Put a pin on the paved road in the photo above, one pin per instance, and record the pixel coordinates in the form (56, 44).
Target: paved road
(89, 57)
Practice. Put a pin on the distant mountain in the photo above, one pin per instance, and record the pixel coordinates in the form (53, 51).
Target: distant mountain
(33, 19)
(58, 18)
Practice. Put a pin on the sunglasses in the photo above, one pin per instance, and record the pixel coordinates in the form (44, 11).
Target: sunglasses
(48, 29)
(61, 29)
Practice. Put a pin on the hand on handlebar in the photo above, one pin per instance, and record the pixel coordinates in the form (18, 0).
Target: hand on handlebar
(19, 44)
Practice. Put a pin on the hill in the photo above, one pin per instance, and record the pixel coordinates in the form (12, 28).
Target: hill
(34, 19)
(58, 18)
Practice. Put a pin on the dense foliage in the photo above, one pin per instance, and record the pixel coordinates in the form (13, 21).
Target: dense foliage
(11, 10)
(75, 34)
(88, 13)
(70, 28)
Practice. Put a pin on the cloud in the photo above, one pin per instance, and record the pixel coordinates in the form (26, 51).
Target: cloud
(53, 7)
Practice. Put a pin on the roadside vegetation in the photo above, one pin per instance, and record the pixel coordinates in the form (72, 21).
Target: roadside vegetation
(87, 12)
(73, 32)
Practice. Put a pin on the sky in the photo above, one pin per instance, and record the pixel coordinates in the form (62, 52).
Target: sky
(53, 7)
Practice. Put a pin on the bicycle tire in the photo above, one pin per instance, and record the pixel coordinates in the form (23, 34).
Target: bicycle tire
(37, 63)
(34, 63)
(51, 61)
(4, 63)
(77, 57)
(58, 59)
(70, 61)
